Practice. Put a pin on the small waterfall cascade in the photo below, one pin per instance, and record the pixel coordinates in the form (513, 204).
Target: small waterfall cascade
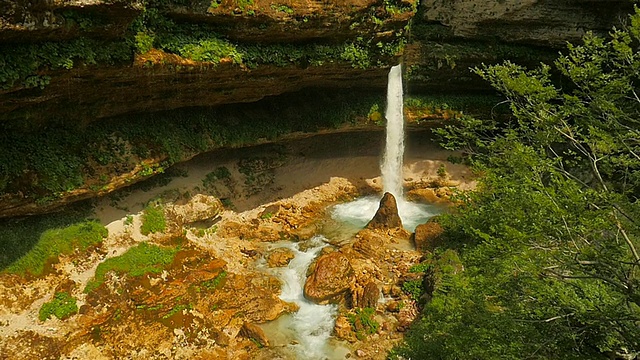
(312, 324)
(391, 167)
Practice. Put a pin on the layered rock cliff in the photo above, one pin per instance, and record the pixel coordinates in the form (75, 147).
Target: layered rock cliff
(77, 77)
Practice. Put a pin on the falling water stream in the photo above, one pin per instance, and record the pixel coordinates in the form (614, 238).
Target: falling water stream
(392, 160)
(306, 334)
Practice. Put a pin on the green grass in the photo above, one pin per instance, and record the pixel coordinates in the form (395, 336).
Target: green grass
(62, 306)
(58, 241)
(137, 261)
(20, 235)
(153, 220)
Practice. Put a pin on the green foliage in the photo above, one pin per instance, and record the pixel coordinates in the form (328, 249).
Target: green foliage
(442, 171)
(62, 306)
(58, 241)
(413, 288)
(363, 323)
(220, 173)
(20, 62)
(137, 261)
(549, 239)
(153, 220)
(144, 42)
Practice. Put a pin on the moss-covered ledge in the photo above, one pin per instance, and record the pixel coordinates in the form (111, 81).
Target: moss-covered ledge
(45, 168)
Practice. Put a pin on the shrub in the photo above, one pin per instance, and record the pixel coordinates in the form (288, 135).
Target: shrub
(363, 323)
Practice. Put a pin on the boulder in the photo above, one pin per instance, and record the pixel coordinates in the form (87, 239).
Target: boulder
(200, 207)
(428, 236)
(253, 331)
(331, 279)
(387, 215)
(280, 257)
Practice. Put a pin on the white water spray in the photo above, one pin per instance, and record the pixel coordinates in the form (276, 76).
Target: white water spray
(391, 167)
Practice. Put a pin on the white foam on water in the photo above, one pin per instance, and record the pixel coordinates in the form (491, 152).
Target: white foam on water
(360, 211)
(312, 324)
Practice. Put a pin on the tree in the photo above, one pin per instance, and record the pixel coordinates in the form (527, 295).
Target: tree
(550, 239)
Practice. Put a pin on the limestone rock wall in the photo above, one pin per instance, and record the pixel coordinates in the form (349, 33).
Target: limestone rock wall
(540, 22)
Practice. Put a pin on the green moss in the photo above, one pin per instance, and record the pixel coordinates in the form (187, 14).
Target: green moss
(153, 220)
(55, 242)
(62, 306)
(137, 261)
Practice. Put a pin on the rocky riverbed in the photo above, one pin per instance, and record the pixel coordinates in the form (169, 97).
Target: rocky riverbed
(217, 290)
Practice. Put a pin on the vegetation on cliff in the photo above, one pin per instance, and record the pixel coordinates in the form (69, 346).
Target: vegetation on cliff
(30, 64)
(549, 241)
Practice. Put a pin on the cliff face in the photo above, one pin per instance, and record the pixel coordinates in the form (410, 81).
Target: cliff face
(77, 76)
(538, 22)
(94, 59)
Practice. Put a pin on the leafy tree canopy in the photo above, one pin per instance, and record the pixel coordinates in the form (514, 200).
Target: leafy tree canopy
(550, 238)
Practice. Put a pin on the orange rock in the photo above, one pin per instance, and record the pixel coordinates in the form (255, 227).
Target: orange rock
(387, 215)
(331, 279)
(280, 257)
(428, 235)
(254, 332)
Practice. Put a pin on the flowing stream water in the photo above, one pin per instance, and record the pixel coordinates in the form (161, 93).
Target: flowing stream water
(307, 333)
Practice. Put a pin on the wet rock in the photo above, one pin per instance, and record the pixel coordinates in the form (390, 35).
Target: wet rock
(254, 332)
(249, 252)
(387, 215)
(199, 208)
(428, 236)
(280, 257)
(330, 280)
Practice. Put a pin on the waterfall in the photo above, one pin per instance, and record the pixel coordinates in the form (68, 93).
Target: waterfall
(391, 167)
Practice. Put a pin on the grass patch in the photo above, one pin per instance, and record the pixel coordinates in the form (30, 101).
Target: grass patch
(58, 241)
(62, 306)
(137, 261)
(153, 220)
